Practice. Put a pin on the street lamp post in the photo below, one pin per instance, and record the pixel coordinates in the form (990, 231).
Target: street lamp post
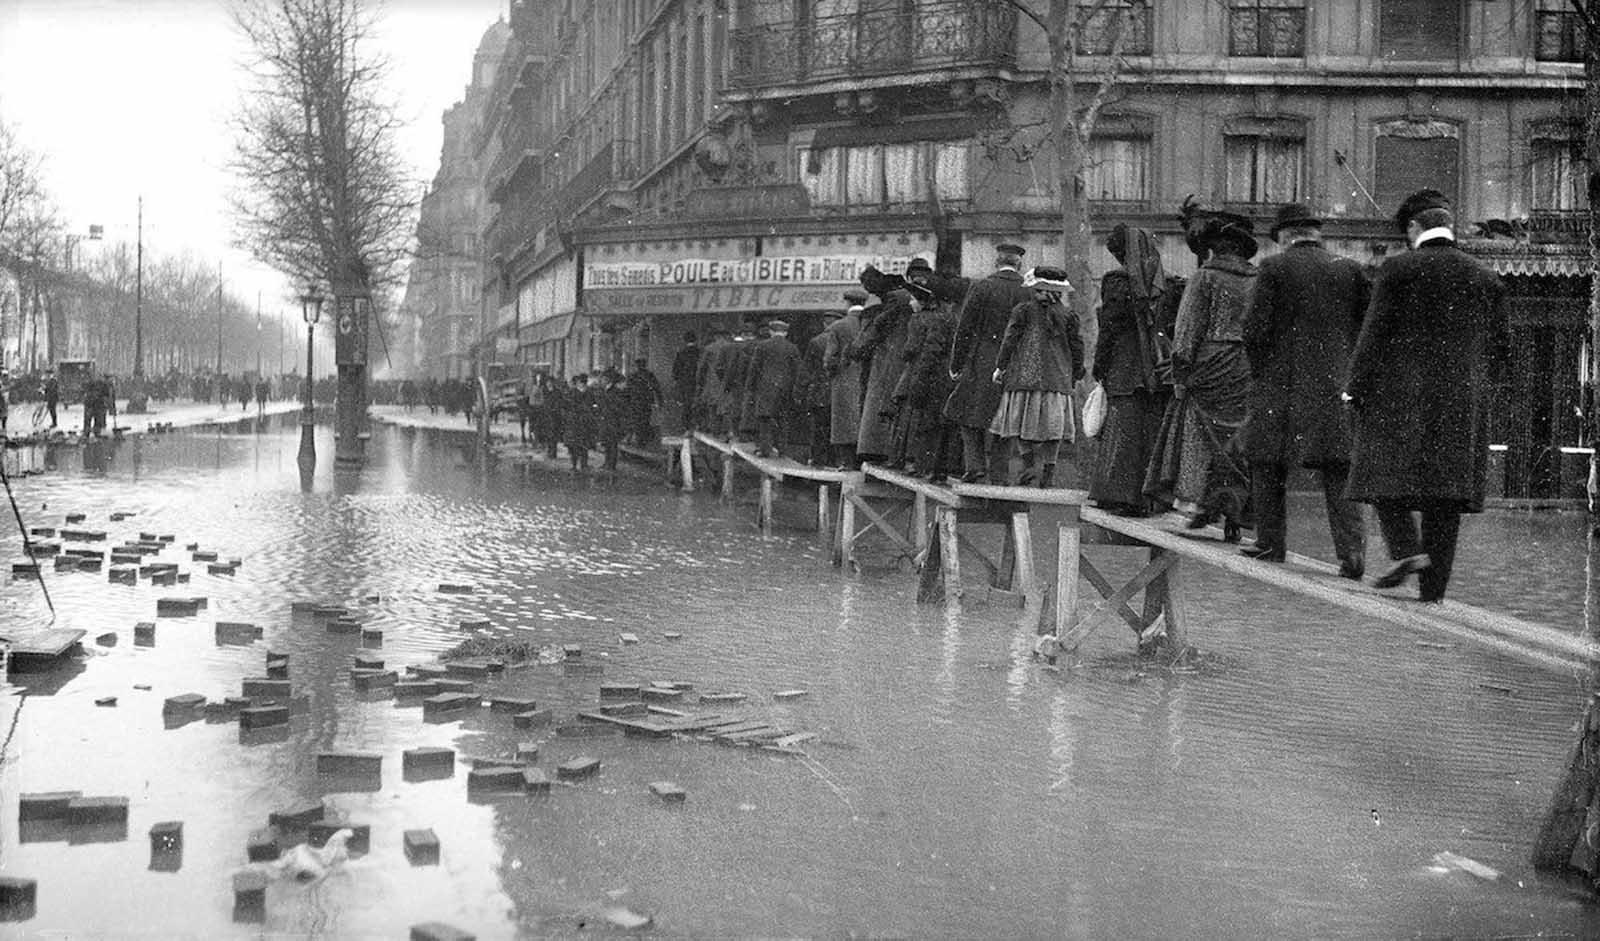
(311, 312)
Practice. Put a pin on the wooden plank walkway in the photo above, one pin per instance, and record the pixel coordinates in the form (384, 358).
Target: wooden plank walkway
(773, 470)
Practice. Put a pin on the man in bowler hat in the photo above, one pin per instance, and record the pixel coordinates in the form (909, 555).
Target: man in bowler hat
(1302, 324)
(1418, 386)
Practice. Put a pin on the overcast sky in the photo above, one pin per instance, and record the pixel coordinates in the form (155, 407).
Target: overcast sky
(130, 97)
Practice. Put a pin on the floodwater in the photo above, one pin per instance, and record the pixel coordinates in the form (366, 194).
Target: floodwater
(1298, 783)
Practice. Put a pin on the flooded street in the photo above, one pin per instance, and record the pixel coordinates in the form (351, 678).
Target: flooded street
(1298, 783)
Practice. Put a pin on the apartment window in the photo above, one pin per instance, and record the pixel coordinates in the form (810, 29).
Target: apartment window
(1102, 26)
(885, 30)
(1561, 35)
(1560, 174)
(1265, 169)
(1267, 28)
(889, 174)
(1412, 155)
(1117, 168)
(1419, 29)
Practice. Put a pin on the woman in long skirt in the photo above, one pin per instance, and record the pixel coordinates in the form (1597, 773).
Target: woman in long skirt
(1125, 364)
(1041, 356)
(1195, 463)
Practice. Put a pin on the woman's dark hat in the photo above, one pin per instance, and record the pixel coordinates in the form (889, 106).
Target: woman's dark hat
(1420, 201)
(1295, 215)
(919, 264)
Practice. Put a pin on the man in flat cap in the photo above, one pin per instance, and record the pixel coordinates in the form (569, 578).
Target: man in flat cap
(1418, 385)
(1301, 326)
(979, 328)
(770, 386)
(844, 380)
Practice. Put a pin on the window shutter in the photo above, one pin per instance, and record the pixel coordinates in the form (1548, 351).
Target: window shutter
(1419, 29)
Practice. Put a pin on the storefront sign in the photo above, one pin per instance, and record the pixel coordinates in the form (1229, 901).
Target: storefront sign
(350, 330)
(748, 202)
(714, 298)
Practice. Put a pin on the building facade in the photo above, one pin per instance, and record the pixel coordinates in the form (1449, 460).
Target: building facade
(661, 166)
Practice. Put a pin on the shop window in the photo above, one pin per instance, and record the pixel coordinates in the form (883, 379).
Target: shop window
(1560, 32)
(820, 174)
(950, 172)
(880, 175)
(1117, 169)
(863, 176)
(1419, 29)
(1267, 28)
(1560, 174)
(1264, 169)
(1104, 24)
(1414, 155)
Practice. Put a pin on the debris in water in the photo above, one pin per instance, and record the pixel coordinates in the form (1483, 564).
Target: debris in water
(1447, 860)
(626, 918)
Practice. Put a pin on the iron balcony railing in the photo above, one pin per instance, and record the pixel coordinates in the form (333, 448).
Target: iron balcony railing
(775, 45)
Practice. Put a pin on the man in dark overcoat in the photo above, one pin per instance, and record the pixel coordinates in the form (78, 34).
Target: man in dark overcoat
(1298, 334)
(979, 327)
(708, 383)
(1418, 385)
(815, 392)
(925, 382)
(844, 380)
(770, 386)
(685, 370)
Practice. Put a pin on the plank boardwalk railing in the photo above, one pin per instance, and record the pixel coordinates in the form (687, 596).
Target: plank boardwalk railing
(931, 524)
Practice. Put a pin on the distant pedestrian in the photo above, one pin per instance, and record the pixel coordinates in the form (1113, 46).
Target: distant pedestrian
(844, 381)
(881, 349)
(5, 401)
(685, 368)
(1419, 387)
(643, 397)
(52, 395)
(578, 421)
(708, 383)
(1301, 327)
(1127, 360)
(1041, 357)
(262, 390)
(814, 394)
(979, 329)
(770, 387)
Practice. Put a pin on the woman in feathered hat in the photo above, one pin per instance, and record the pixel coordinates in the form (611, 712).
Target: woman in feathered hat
(1040, 358)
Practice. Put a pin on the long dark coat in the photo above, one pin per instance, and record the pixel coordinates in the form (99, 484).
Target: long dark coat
(1419, 378)
(882, 343)
(731, 363)
(769, 387)
(926, 384)
(1301, 327)
(977, 344)
(1042, 350)
(708, 381)
(813, 384)
(844, 379)
(1125, 352)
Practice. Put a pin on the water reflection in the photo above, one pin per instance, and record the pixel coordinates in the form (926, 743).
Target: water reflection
(956, 786)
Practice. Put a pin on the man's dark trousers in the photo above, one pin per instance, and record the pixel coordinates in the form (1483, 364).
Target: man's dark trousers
(1441, 525)
(1268, 483)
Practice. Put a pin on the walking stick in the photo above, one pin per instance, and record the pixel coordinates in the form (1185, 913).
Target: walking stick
(27, 544)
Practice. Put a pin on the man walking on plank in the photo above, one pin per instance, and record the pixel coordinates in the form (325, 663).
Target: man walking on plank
(1302, 324)
(973, 352)
(1419, 382)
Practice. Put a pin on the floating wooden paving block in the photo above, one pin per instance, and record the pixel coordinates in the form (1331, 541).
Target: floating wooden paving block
(264, 845)
(498, 779)
(627, 724)
(85, 811)
(658, 694)
(203, 556)
(578, 668)
(261, 687)
(85, 553)
(278, 668)
(683, 685)
(42, 531)
(427, 758)
(672, 635)
(533, 719)
(123, 574)
(120, 515)
(516, 704)
(89, 564)
(664, 711)
(46, 549)
(439, 931)
(184, 703)
(329, 611)
(475, 624)
(578, 768)
(349, 762)
(228, 708)
(177, 607)
(156, 568)
(344, 625)
(448, 685)
(144, 633)
(367, 661)
(76, 517)
(250, 895)
(449, 704)
(628, 638)
(263, 717)
(454, 588)
(67, 563)
(723, 697)
(300, 607)
(25, 569)
(366, 680)
(166, 837)
(298, 815)
(429, 671)
(416, 688)
(668, 792)
(625, 709)
(469, 667)
(83, 535)
(619, 690)
(535, 781)
(422, 847)
(219, 568)
(165, 579)
(45, 805)
(789, 694)
(320, 831)
(796, 738)
(585, 730)
(572, 651)
(19, 898)
(232, 632)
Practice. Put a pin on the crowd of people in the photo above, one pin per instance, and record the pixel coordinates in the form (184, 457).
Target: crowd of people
(1214, 389)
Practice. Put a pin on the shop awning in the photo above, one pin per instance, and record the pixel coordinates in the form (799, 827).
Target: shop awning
(558, 327)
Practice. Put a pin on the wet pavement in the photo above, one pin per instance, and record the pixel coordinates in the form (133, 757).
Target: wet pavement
(1297, 783)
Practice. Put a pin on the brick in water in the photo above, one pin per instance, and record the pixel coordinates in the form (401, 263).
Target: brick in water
(278, 668)
(447, 685)
(249, 896)
(260, 687)
(624, 709)
(669, 792)
(475, 624)
(123, 574)
(439, 931)
(300, 815)
(203, 556)
(164, 579)
(106, 701)
(449, 704)
(177, 607)
(42, 531)
(144, 633)
(430, 671)
(367, 661)
(628, 638)
(184, 703)
(67, 563)
(471, 666)
(658, 694)
(586, 730)
(371, 637)
(108, 639)
(45, 805)
(46, 549)
(512, 704)
(619, 691)
(263, 845)
(83, 811)
(374, 679)
(349, 762)
(344, 626)
(360, 834)
(537, 718)
(263, 717)
(19, 898)
(217, 568)
(528, 751)
(77, 517)
(166, 837)
(578, 768)
(427, 757)
(422, 847)
(572, 651)
(416, 688)
(329, 611)
(455, 588)
(535, 781)
(494, 780)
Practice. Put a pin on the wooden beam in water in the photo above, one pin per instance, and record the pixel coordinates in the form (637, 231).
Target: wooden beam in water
(1049, 496)
(949, 554)
(932, 491)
